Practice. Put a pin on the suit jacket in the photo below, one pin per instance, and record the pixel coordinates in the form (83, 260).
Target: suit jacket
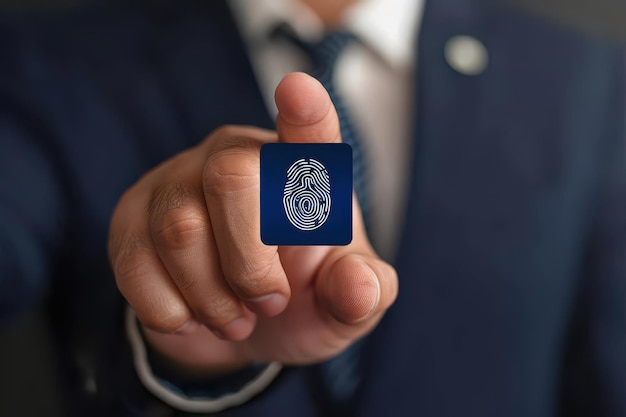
(512, 260)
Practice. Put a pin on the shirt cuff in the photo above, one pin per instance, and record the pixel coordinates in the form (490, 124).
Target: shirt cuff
(174, 396)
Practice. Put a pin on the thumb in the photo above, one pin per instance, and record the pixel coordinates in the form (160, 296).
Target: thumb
(305, 111)
(355, 286)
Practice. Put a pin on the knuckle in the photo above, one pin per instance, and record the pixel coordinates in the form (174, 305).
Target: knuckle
(230, 172)
(219, 311)
(185, 281)
(168, 197)
(233, 138)
(237, 142)
(165, 320)
(255, 278)
(119, 237)
(130, 256)
(180, 229)
(177, 219)
(223, 131)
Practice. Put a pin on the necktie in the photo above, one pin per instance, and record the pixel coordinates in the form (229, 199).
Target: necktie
(340, 375)
(323, 56)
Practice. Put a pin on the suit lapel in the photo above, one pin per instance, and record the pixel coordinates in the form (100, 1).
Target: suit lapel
(502, 178)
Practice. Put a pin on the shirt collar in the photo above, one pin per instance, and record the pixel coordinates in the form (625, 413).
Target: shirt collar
(387, 27)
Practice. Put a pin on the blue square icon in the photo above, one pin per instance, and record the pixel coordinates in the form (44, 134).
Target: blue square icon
(306, 194)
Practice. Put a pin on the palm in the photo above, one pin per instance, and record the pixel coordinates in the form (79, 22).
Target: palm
(305, 331)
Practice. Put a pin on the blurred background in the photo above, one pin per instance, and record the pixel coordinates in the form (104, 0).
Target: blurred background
(27, 368)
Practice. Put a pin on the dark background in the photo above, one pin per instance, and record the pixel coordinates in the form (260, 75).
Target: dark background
(27, 366)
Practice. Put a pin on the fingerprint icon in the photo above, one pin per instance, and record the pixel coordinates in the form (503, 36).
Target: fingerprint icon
(306, 196)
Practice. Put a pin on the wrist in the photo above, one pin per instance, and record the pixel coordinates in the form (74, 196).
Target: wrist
(206, 392)
(198, 353)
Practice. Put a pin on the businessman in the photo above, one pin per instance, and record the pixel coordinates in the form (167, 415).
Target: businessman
(496, 191)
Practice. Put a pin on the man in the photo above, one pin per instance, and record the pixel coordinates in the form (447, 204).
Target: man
(510, 261)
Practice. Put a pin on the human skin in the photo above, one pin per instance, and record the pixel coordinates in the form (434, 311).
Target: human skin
(187, 255)
(330, 12)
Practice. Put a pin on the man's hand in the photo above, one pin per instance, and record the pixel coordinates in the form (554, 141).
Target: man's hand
(186, 250)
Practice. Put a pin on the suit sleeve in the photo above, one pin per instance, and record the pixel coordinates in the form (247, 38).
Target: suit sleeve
(606, 289)
(595, 365)
(194, 395)
(606, 282)
(31, 212)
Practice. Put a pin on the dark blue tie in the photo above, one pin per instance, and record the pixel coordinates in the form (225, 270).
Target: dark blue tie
(340, 375)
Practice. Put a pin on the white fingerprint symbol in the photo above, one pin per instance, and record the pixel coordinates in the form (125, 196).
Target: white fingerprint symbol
(307, 194)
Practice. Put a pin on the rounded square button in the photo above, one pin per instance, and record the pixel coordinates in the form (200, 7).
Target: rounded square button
(306, 194)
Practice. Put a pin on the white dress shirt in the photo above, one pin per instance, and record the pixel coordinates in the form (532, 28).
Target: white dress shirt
(374, 77)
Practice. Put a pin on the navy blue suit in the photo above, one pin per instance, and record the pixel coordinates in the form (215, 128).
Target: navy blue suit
(512, 261)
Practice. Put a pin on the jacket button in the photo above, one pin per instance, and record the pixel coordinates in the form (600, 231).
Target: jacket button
(466, 55)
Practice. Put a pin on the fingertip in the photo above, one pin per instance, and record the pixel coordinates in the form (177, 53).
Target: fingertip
(269, 305)
(237, 330)
(305, 110)
(188, 328)
(351, 290)
(167, 321)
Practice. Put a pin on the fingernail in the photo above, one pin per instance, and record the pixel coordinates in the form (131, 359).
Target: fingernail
(270, 305)
(187, 328)
(237, 329)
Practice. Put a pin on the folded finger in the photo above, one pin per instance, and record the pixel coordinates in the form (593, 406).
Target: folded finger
(231, 191)
(183, 236)
(139, 273)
